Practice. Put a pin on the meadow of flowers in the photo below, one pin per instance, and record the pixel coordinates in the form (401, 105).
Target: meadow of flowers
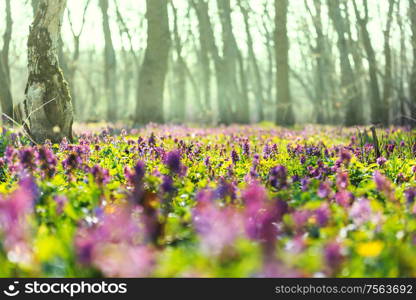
(246, 201)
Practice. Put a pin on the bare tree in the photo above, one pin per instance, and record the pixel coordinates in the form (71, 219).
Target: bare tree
(6, 99)
(378, 113)
(253, 60)
(412, 85)
(47, 109)
(284, 113)
(110, 67)
(153, 71)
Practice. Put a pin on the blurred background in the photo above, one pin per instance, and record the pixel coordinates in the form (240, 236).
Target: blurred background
(349, 62)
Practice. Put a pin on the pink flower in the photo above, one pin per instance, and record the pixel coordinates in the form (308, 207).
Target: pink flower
(360, 211)
(344, 198)
(123, 260)
(217, 227)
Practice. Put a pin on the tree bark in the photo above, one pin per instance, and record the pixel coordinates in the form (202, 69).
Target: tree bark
(110, 65)
(377, 108)
(284, 113)
(252, 56)
(6, 99)
(349, 88)
(47, 110)
(412, 85)
(178, 106)
(153, 71)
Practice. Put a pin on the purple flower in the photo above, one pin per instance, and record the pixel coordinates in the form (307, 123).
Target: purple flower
(217, 227)
(344, 198)
(246, 148)
(333, 256)
(342, 180)
(345, 156)
(100, 174)
(167, 185)
(410, 195)
(324, 190)
(360, 211)
(304, 184)
(114, 245)
(381, 161)
(173, 161)
(260, 215)
(384, 185)
(47, 161)
(278, 177)
(322, 215)
(234, 156)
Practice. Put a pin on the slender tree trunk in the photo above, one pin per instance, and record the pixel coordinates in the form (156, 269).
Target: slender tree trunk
(224, 106)
(349, 88)
(110, 76)
(388, 73)
(47, 110)
(179, 92)
(205, 62)
(6, 99)
(230, 64)
(253, 60)
(377, 108)
(412, 85)
(153, 71)
(284, 113)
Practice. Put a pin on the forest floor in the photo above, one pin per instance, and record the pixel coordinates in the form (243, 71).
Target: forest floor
(238, 201)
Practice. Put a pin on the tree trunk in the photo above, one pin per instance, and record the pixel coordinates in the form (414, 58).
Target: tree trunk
(110, 68)
(388, 73)
(153, 71)
(284, 113)
(377, 108)
(205, 63)
(6, 99)
(252, 56)
(47, 110)
(349, 88)
(178, 106)
(230, 63)
(412, 85)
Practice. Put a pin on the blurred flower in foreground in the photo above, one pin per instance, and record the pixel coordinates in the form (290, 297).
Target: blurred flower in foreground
(15, 213)
(114, 245)
(217, 227)
(384, 185)
(360, 211)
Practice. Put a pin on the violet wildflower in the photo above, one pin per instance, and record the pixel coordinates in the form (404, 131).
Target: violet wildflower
(246, 149)
(324, 190)
(343, 198)
(381, 161)
(167, 185)
(234, 156)
(100, 174)
(304, 182)
(345, 156)
(173, 161)
(47, 161)
(384, 185)
(322, 215)
(410, 195)
(217, 227)
(333, 256)
(342, 180)
(278, 177)
(360, 211)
